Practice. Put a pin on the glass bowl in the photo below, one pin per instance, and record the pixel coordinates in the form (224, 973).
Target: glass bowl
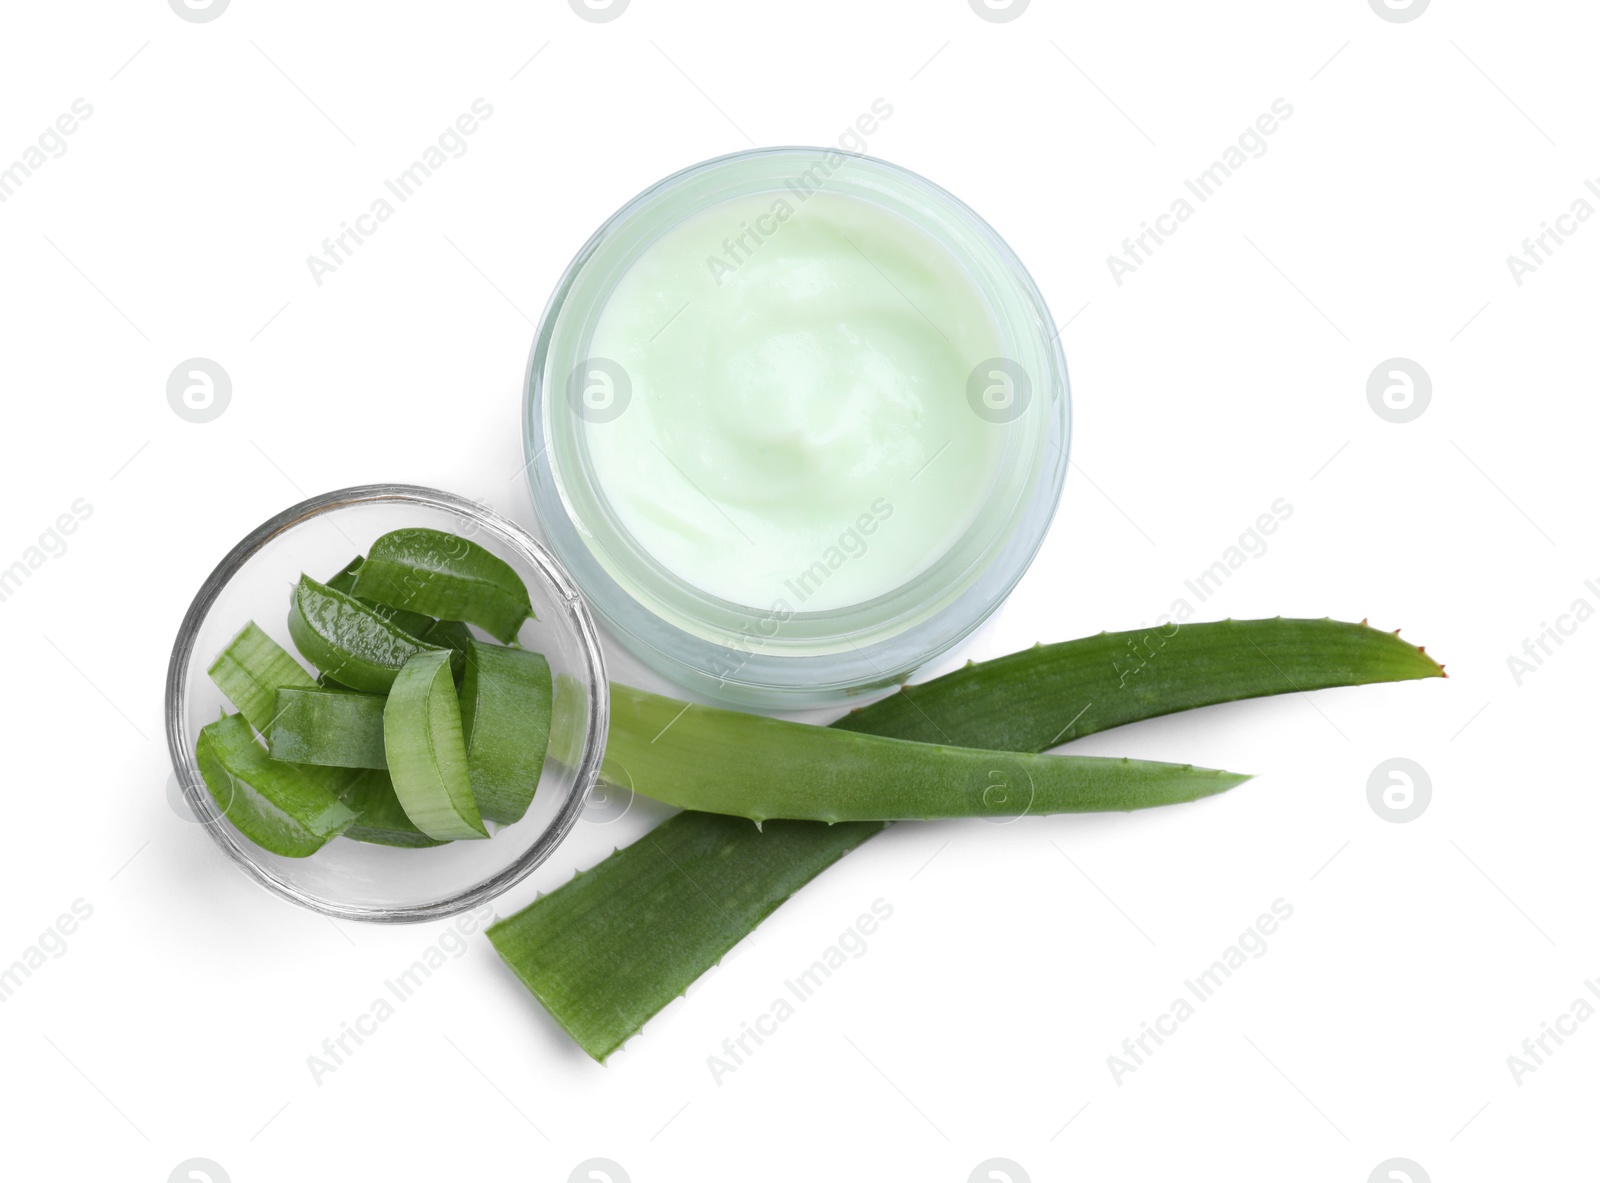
(780, 655)
(358, 880)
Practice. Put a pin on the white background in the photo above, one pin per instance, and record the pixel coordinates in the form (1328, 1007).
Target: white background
(1229, 371)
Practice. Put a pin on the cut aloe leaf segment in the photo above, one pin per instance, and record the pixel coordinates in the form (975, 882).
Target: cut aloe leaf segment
(505, 715)
(380, 818)
(415, 623)
(451, 633)
(273, 804)
(426, 754)
(455, 636)
(334, 727)
(606, 951)
(348, 641)
(698, 757)
(446, 576)
(250, 671)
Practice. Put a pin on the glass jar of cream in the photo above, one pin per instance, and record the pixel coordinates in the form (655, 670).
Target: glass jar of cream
(796, 422)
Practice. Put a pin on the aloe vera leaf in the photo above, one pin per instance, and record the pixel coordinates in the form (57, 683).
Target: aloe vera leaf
(415, 623)
(446, 576)
(610, 948)
(1051, 694)
(345, 580)
(602, 952)
(348, 641)
(505, 716)
(250, 671)
(427, 756)
(699, 757)
(341, 728)
(380, 818)
(270, 802)
(455, 636)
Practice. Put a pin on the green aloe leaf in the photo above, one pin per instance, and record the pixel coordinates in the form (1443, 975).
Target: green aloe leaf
(380, 818)
(1051, 694)
(353, 644)
(698, 757)
(609, 949)
(274, 804)
(444, 575)
(426, 754)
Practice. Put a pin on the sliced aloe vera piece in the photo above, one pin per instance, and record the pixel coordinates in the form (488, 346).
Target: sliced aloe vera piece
(427, 756)
(415, 623)
(345, 579)
(607, 950)
(380, 818)
(451, 633)
(455, 636)
(445, 576)
(336, 727)
(273, 804)
(348, 641)
(505, 715)
(251, 669)
(699, 757)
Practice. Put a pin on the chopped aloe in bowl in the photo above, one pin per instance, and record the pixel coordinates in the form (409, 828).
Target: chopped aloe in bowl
(445, 716)
(293, 660)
